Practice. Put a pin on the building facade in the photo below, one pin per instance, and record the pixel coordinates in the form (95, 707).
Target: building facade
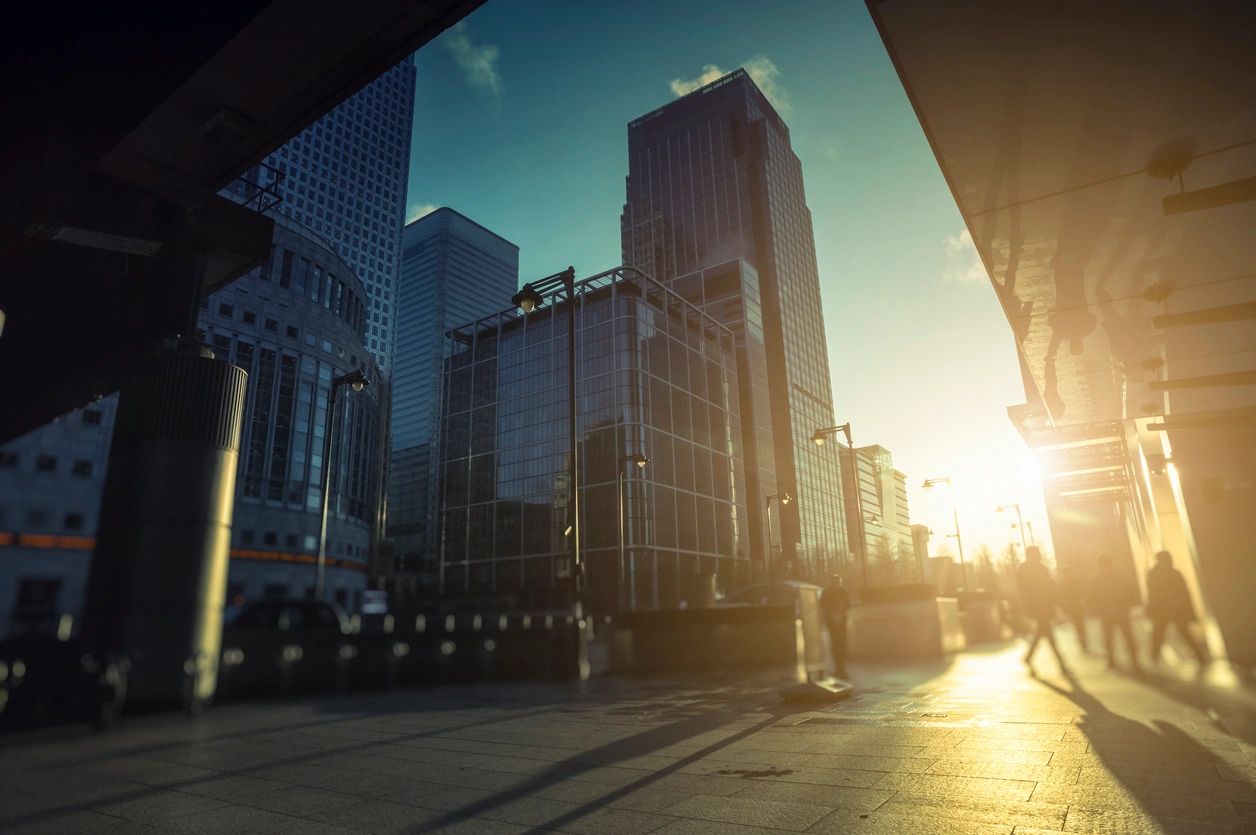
(712, 177)
(656, 377)
(50, 486)
(341, 189)
(453, 271)
(729, 293)
(886, 537)
(345, 178)
(294, 324)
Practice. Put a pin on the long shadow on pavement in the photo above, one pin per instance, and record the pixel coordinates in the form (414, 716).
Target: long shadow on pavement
(607, 755)
(1157, 767)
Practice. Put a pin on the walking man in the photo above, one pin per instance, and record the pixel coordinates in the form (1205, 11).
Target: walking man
(834, 601)
(1072, 606)
(1168, 602)
(1039, 597)
(1111, 600)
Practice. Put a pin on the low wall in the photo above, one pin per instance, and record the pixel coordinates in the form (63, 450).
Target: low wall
(719, 637)
(908, 629)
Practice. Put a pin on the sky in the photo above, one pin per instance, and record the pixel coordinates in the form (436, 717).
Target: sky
(520, 123)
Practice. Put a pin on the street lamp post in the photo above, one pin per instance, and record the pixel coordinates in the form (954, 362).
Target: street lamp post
(1020, 521)
(631, 598)
(946, 479)
(784, 499)
(818, 437)
(527, 300)
(356, 381)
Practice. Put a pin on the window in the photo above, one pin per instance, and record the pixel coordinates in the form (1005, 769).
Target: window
(92, 417)
(46, 462)
(272, 325)
(222, 342)
(82, 468)
(270, 538)
(291, 540)
(37, 518)
(250, 318)
(293, 333)
(246, 536)
(226, 310)
(74, 521)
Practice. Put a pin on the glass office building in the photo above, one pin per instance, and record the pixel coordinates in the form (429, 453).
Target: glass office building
(656, 376)
(342, 193)
(729, 293)
(295, 323)
(345, 178)
(453, 270)
(712, 177)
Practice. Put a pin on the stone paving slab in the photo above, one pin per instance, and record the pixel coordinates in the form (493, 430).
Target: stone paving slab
(968, 745)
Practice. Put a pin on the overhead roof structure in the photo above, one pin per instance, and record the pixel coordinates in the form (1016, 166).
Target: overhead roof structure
(123, 124)
(1103, 156)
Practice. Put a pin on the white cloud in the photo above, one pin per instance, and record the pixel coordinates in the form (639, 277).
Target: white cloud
(417, 210)
(479, 63)
(963, 264)
(682, 86)
(761, 70)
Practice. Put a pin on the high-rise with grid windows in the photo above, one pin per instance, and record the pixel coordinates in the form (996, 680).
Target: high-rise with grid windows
(345, 177)
(712, 178)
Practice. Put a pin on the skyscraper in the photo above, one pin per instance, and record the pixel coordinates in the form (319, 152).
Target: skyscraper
(345, 177)
(711, 178)
(453, 271)
(342, 207)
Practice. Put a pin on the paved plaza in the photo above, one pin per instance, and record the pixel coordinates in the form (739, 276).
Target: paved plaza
(969, 745)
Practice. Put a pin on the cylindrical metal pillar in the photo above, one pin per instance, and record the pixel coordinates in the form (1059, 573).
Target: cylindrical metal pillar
(158, 578)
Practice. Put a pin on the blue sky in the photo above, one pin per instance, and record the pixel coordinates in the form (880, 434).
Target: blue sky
(520, 123)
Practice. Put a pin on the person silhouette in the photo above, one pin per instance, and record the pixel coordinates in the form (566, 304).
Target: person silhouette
(1110, 599)
(1169, 602)
(1039, 597)
(834, 602)
(1072, 606)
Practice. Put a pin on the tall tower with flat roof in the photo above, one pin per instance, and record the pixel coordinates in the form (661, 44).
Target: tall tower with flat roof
(711, 178)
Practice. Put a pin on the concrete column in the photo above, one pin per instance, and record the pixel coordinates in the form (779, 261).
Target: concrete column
(155, 595)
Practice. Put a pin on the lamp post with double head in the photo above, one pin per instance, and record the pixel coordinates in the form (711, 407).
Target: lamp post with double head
(818, 437)
(356, 381)
(628, 600)
(930, 483)
(528, 299)
(784, 499)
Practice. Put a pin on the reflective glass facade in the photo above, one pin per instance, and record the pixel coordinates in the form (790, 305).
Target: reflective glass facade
(712, 177)
(452, 271)
(729, 293)
(345, 178)
(655, 376)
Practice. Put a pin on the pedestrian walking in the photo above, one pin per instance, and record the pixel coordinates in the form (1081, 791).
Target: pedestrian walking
(835, 602)
(1072, 605)
(1039, 598)
(1169, 602)
(1111, 599)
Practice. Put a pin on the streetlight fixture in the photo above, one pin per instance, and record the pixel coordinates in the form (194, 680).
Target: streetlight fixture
(1020, 520)
(640, 460)
(818, 437)
(528, 299)
(784, 499)
(928, 484)
(356, 381)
